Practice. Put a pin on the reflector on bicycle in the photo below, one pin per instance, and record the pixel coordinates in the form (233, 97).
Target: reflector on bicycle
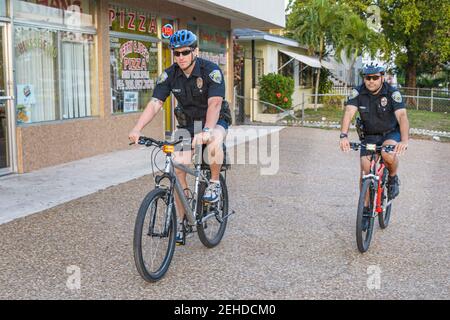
(168, 149)
(371, 147)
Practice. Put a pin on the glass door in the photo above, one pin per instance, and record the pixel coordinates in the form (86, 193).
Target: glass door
(5, 103)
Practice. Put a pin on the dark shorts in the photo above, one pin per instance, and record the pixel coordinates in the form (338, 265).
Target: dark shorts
(379, 140)
(191, 128)
(187, 133)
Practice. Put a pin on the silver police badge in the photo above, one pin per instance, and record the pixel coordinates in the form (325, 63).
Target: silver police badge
(353, 94)
(163, 77)
(199, 82)
(384, 101)
(216, 76)
(397, 96)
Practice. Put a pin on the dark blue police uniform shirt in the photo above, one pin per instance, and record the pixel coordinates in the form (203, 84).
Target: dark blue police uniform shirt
(377, 111)
(192, 93)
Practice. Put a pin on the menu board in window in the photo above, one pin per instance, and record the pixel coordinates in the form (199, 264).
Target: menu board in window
(134, 70)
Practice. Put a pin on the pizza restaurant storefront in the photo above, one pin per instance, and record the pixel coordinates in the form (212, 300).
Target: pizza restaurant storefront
(83, 72)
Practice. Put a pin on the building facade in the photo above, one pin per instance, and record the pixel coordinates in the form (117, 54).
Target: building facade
(76, 74)
(273, 53)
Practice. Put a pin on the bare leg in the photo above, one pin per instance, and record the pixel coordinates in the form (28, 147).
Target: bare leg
(390, 159)
(183, 157)
(215, 151)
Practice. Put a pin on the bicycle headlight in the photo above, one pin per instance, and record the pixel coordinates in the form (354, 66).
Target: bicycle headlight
(168, 149)
(371, 147)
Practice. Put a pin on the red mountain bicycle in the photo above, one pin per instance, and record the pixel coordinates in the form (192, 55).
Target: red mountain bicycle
(373, 198)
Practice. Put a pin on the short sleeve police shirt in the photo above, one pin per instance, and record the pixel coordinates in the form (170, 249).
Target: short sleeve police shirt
(205, 81)
(377, 111)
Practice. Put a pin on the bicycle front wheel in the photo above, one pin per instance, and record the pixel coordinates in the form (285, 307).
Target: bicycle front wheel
(364, 233)
(384, 217)
(211, 231)
(154, 235)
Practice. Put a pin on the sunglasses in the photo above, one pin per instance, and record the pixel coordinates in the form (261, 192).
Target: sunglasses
(375, 78)
(184, 53)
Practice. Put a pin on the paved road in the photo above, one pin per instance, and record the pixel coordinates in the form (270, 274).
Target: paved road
(291, 238)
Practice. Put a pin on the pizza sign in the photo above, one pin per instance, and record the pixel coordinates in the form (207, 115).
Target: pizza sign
(132, 21)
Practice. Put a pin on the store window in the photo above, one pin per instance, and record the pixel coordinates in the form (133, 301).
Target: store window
(54, 65)
(133, 57)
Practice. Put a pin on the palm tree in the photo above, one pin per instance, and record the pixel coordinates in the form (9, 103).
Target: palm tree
(319, 23)
(354, 38)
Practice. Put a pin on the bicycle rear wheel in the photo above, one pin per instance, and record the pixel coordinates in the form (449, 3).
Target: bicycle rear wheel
(384, 217)
(154, 235)
(363, 237)
(211, 231)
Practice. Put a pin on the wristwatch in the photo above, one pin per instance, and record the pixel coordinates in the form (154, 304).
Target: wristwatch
(343, 135)
(206, 129)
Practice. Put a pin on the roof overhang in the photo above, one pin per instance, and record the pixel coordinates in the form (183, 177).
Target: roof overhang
(268, 37)
(310, 61)
(238, 19)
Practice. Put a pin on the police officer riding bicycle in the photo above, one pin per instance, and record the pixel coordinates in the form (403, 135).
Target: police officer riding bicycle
(198, 85)
(383, 121)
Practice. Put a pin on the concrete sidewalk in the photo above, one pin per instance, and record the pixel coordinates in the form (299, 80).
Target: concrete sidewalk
(25, 194)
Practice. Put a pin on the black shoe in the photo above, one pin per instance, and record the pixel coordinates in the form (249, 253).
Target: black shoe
(365, 219)
(393, 187)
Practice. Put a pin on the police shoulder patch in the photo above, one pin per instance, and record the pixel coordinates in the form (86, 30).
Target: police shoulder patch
(396, 96)
(162, 77)
(353, 94)
(216, 76)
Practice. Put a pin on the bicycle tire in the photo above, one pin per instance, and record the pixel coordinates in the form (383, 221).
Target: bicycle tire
(211, 242)
(385, 216)
(143, 213)
(363, 238)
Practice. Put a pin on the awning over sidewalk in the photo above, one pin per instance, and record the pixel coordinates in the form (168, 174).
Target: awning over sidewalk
(310, 61)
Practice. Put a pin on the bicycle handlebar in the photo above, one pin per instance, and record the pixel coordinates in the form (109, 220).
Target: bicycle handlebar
(387, 148)
(148, 142)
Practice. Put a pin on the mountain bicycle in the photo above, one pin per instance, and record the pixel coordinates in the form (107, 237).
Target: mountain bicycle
(156, 222)
(373, 195)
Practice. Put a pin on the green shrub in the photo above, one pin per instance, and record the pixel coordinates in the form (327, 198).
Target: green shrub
(276, 89)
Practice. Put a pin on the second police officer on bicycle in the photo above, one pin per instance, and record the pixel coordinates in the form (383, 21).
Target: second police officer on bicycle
(198, 85)
(383, 121)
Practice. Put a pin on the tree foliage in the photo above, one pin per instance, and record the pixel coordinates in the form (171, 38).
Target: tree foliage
(417, 33)
(322, 24)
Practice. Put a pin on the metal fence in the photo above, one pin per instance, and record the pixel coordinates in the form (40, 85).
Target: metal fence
(433, 117)
(429, 99)
(260, 111)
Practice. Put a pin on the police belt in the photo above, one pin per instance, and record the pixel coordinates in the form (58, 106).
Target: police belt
(383, 134)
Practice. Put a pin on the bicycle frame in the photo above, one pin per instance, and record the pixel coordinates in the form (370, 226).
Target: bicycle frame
(169, 173)
(376, 175)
